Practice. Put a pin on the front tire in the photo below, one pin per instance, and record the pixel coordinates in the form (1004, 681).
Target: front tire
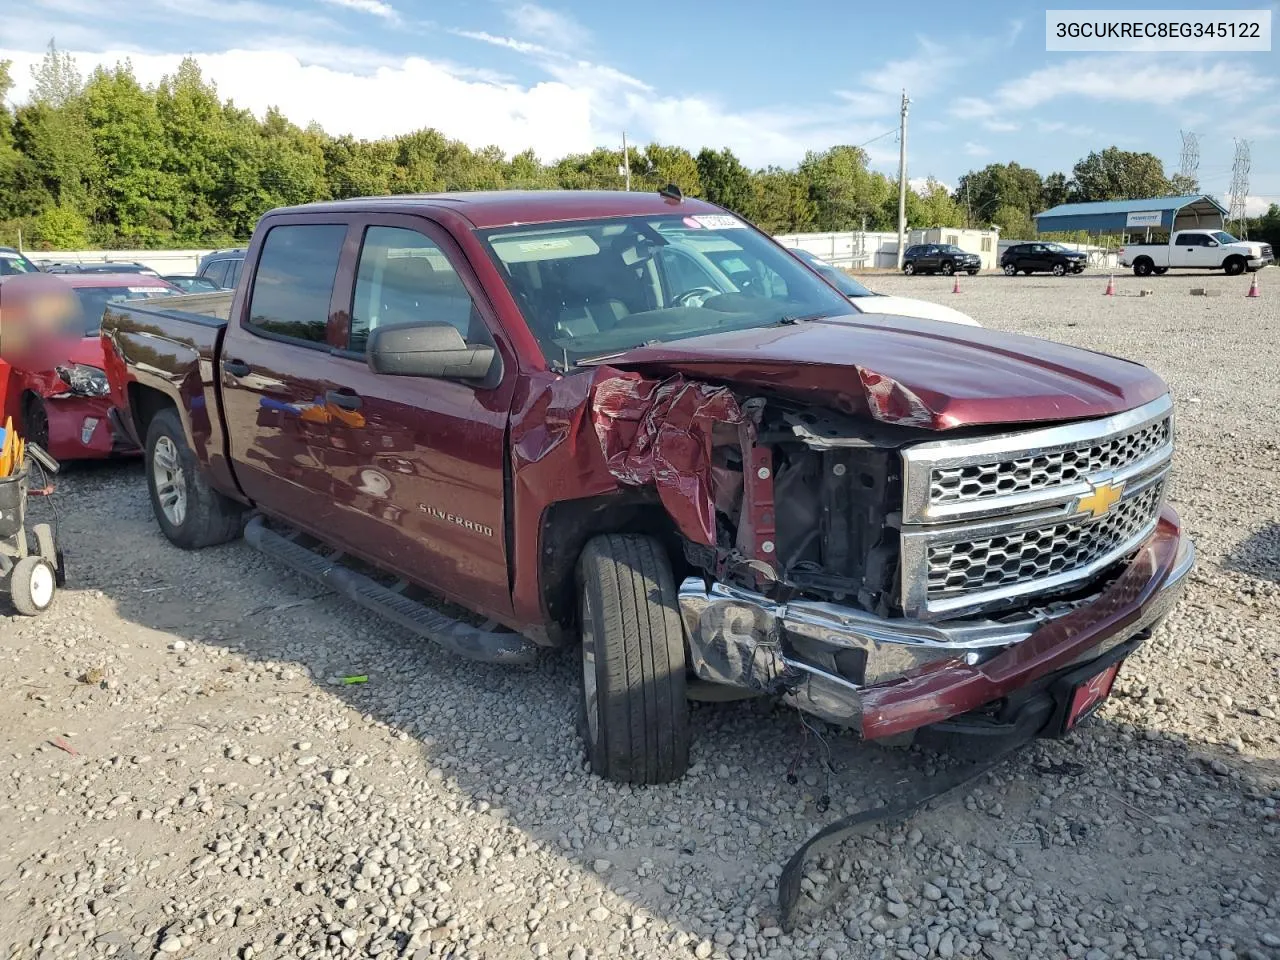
(972, 273)
(32, 585)
(35, 421)
(948, 268)
(1235, 266)
(190, 513)
(1059, 270)
(1161, 271)
(635, 714)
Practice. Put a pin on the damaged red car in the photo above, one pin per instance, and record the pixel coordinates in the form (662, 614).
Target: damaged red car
(65, 408)
(633, 423)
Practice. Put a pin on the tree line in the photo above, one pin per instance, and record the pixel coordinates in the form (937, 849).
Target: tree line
(104, 161)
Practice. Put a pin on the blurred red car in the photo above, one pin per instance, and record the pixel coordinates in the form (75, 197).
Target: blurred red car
(64, 409)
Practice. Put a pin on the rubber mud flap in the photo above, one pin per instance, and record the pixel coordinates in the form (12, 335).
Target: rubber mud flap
(858, 823)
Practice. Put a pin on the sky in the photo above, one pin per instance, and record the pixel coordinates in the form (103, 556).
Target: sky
(771, 81)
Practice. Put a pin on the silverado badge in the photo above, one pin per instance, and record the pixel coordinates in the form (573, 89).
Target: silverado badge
(1100, 499)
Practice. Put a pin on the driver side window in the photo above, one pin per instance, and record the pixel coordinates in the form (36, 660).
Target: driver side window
(683, 273)
(404, 277)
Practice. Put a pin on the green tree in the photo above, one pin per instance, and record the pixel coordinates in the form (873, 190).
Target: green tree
(980, 193)
(937, 208)
(1115, 174)
(782, 203)
(844, 191)
(656, 166)
(60, 228)
(597, 170)
(726, 181)
(1056, 190)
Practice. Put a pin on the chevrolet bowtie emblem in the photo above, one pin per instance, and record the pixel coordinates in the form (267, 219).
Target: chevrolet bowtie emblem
(1101, 499)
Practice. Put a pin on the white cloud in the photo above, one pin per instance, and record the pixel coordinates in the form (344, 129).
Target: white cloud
(553, 29)
(1000, 126)
(374, 7)
(976, 149)
(921, 184)
(1257, 206)
(550, 117)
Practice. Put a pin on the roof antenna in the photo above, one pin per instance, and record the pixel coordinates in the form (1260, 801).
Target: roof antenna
(671, 192)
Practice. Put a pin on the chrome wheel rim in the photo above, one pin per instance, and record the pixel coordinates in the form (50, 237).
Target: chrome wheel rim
(41, 585)
(171, 486)
(590, 694)
(1059, 269)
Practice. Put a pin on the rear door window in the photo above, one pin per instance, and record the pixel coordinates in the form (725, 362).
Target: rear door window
(294, 281)
(233, 272)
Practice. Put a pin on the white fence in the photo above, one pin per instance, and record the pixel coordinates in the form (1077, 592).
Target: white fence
(857, 248)
(161, 261)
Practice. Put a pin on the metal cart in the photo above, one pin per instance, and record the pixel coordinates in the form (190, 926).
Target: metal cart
(31, 565)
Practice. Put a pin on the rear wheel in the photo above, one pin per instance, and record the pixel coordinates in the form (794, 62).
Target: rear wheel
(635, 715)
(189, 511)
(908, 268)
(1010, 270)
(1142, 267)
(1235, 266)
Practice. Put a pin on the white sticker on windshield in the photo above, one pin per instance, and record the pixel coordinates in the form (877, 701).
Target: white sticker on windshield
(148, 289)
(720, 221)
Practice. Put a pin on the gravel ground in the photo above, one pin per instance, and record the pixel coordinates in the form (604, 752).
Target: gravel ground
(183, 777)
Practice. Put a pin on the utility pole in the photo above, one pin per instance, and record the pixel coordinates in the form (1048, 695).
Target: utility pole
(626, 160)
(902, 181)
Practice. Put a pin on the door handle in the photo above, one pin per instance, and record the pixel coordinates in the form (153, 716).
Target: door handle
(347, 401)
(237, 368)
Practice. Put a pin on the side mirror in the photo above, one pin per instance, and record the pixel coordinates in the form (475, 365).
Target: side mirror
(1212, 243)
(427, 350)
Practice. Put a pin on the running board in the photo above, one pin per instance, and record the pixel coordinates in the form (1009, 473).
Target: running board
(474, 643)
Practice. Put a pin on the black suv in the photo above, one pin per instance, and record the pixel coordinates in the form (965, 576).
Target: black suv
(222, 267)
(1042, 257)
(939, 258)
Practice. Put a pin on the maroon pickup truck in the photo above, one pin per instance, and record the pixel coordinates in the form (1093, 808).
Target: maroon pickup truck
(630, 421)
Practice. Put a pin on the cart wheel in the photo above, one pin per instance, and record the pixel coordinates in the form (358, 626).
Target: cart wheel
(32, 585)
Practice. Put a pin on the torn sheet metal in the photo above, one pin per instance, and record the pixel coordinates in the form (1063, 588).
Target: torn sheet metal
(661, 432)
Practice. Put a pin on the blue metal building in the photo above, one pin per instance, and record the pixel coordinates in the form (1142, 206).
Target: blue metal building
(1128, 216)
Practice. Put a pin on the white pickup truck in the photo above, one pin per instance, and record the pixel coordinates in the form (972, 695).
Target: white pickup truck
(1202, 249)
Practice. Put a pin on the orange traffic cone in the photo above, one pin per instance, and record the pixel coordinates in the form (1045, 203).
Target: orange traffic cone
(1111, 287)
(1253, 288)
(955, 288)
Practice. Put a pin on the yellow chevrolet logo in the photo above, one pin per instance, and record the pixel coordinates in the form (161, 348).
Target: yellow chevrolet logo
(1101, 499)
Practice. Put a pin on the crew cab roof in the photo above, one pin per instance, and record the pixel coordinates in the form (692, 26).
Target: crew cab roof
(500, 208)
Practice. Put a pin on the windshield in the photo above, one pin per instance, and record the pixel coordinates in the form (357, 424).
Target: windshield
(949, 248)
(94, 300)
(1223, 237)
(1056, 248)
(593, 288)
(13, 263)
(834, 276)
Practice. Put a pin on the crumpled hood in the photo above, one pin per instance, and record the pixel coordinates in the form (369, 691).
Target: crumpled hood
(911, 372)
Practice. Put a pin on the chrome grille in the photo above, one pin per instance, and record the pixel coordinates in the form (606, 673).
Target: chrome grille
(1028, 555)
(990, 519)
(997, 478)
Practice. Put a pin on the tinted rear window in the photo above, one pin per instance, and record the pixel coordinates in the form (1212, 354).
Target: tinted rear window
(216, 271)
(294, 281)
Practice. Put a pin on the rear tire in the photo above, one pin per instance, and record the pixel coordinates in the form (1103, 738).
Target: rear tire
(190, 513)
(32, 585)
(635, 714)
(1142, 267)
(1010, 270)
(1235, 266)
(908, 268)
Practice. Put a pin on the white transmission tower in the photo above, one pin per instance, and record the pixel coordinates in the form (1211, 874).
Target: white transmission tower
(1240, 187)
(1189, 163)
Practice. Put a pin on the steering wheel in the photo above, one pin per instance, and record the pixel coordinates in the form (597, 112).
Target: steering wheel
(700, 294)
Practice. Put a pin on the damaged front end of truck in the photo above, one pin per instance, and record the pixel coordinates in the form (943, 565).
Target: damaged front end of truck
(878, 561)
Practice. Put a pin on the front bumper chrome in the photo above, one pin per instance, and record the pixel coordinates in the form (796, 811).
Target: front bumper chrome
(884, 677)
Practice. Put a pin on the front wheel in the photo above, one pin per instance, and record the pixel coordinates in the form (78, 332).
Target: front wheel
(32, 585)
(1161, 271)
(635, 715)
(1059, 270)
(948, 268)
(190, 513)
(908, 268)
(972, 273)
(35, 421)
(1235, 266)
